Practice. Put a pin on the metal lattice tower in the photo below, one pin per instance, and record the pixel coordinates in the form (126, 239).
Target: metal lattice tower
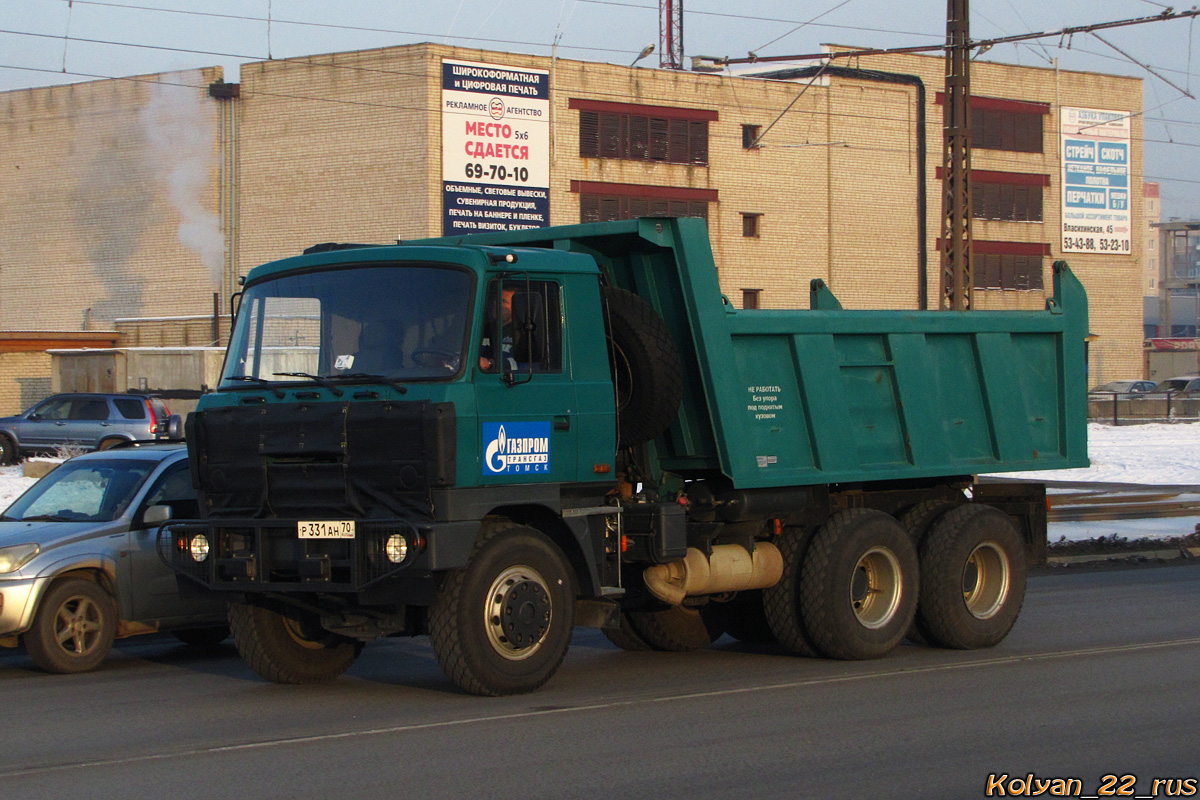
(957, 272)
(670, 34)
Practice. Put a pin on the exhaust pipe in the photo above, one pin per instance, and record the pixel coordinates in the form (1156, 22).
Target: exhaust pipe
(730, 569)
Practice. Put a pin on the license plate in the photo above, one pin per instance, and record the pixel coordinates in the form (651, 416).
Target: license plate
(326, 529)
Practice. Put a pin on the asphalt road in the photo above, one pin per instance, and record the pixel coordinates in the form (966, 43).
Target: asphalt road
(1098, 678)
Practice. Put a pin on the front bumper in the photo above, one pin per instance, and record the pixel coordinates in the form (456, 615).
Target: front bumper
(268, 556)
(18, 602)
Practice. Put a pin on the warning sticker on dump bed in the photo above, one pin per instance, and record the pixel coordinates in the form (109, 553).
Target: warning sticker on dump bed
(764, 401)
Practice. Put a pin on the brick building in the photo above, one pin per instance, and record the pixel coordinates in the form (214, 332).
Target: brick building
(145, 197)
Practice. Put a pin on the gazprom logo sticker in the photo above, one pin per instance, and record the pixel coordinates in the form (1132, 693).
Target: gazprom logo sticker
(516, 448)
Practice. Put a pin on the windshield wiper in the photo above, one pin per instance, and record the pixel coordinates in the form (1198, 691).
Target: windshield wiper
(45, 518)
(371, 376)
(320, 380)
(266, 384)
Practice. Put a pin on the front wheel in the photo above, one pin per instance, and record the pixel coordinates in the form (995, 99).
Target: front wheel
(289, 649)
(503, 624)
(74, 627)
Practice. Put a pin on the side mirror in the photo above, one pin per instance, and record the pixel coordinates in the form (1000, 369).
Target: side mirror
(34, 416)
(175, 427)
(156, 515)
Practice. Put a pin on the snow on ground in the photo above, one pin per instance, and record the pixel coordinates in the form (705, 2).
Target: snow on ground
(1149, 455)
(1165, 454)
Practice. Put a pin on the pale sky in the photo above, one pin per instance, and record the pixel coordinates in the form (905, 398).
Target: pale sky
(46, 42)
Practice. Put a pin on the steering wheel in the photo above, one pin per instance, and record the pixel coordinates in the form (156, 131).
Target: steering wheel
(444, 358)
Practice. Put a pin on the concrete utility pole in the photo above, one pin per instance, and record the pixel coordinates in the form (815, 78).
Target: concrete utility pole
(957, 272)
(670, 34)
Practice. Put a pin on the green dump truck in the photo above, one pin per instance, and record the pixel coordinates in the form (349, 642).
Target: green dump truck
(496, 438)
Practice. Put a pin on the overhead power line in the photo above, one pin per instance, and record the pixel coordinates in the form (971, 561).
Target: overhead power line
(1166, 16)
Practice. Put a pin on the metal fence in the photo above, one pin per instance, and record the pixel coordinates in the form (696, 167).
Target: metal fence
(1118, 408)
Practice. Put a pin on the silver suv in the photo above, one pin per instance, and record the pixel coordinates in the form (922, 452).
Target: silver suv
(87, 421)
(79, 563)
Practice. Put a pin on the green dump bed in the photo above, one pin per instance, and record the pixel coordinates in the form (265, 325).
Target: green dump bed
(826, 395)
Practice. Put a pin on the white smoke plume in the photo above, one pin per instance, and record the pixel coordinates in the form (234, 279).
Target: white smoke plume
(181, 130)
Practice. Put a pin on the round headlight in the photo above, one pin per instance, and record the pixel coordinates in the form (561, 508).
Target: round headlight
(396, 548)
(199, 547)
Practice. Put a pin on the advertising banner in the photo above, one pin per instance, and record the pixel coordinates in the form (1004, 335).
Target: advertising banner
(1095, 185)
(495, 148)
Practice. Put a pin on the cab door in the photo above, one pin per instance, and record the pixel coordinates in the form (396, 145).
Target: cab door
(528, 416)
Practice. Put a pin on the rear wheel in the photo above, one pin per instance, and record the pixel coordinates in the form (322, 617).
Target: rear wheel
(917, 521)
(858, 589)
(108, 444)
(503, 624)
(676, 630)
(8, 450)
(972, 578)
(743, 617)
(781, 602)
(73, 628)
(626, 637)
(289, 648)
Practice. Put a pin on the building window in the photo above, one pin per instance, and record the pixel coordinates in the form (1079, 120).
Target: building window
(1008, 271)
(750, 224)
(751, 297)
(1153, 243)
(750, 134)
(642, 133)
(604, 202)
(607, 207)
(996, 129)
(1007, 202)
(1006, 196)
(1002, 124)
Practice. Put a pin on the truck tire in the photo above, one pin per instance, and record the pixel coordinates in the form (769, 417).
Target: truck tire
(921, 517)
(286, 650)
(675, 630)
(781, 602)
(742, 618)
(503, 624)
(972, 578)
(647, 371)
(626, 637)
(917, 521)
(8, 450)
(858, 587)
(73, 628)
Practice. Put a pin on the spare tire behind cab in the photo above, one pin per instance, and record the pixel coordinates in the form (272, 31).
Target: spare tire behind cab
(647, 371)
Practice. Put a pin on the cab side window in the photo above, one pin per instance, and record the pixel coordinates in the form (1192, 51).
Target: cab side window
(530, 323)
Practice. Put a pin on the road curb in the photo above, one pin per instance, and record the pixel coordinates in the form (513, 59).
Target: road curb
(1165, 554)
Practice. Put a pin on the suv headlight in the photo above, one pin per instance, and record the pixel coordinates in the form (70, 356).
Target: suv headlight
(18, 555)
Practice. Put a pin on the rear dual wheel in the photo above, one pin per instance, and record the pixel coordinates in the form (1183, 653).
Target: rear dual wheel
(850, 592)
(973, 574)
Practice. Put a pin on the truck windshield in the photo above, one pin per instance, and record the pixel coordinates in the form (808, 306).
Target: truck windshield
(404, 321)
